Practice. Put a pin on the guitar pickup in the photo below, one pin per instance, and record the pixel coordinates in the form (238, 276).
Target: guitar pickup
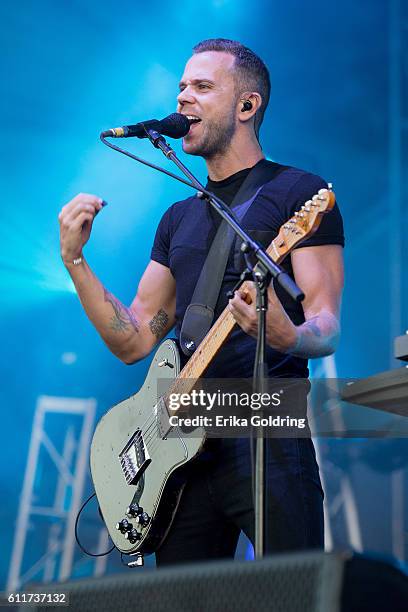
(134, 458)
(162, 419)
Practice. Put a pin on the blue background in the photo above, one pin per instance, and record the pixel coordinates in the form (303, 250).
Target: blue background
(71, 69)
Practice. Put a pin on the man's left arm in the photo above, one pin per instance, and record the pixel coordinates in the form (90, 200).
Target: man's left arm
(319, 272)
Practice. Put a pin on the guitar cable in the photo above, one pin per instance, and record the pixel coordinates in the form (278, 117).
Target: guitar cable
(77, 537)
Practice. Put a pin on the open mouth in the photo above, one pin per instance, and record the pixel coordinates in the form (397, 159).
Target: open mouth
(193, 119)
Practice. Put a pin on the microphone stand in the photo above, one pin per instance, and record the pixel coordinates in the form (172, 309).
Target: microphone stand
(262, 274)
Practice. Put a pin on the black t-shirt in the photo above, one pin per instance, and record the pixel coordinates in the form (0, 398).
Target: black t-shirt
(184, 236)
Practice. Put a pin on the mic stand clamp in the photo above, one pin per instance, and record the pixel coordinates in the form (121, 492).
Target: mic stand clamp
(247, 274)
(262, 274)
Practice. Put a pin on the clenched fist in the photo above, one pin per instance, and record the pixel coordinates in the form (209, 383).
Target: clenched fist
(75, 221)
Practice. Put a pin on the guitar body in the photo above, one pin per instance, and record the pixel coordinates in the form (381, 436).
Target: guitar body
(119, 477)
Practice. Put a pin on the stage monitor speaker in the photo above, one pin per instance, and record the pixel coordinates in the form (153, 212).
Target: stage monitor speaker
(309, 582)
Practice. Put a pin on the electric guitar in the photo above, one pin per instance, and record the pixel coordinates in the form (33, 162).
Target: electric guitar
(138, 469)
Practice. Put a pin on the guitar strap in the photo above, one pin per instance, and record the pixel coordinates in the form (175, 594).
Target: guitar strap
(199, 314)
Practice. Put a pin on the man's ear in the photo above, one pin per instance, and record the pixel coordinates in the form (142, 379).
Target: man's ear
(248, 104)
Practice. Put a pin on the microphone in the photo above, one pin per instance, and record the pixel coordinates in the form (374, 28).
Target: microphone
(175, 125)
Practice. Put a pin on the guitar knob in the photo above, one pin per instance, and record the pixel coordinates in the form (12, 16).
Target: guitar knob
(143, 519)
(124, 526)
(133, 510)
(132, 536)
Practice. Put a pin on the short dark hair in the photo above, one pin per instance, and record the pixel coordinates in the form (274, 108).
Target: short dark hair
(253, 75)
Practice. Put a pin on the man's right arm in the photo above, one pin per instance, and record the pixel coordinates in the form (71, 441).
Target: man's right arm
(129, 332)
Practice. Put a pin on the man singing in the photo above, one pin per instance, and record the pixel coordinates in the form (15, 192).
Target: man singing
(225, 87)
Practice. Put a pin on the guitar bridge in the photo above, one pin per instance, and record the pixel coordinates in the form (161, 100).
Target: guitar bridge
(134, 458)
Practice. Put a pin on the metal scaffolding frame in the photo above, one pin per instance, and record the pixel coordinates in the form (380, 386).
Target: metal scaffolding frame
(70, 463)
(343, 502)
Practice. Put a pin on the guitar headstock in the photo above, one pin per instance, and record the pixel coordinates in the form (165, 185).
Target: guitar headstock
(303, 224)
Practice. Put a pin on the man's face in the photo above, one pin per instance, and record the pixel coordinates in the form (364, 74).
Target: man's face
(207, 91)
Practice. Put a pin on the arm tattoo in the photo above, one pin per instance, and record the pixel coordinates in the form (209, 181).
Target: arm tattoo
(316, 340)
(158, 323)
(123, 317)
(311, 324)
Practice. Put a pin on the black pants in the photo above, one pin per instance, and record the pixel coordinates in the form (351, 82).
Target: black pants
(217, 502)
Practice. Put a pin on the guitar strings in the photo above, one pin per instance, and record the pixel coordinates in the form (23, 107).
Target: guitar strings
(151, 433)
